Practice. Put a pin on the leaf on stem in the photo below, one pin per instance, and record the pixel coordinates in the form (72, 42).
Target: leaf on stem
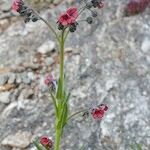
(55, 103)
(64, 113)
(37, 145)
(59, 90)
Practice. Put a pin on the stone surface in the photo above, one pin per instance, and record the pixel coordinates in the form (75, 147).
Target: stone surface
(3, 79)
(19, 140)
(46, 47)
(106, 62)
(4, 97)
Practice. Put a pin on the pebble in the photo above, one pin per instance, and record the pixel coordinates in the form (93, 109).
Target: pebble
(7, 111)
(4, 97)
(47, 47)
(21, 139)
(3, 79)
(49, 61)
(12, 78)
(146, 45)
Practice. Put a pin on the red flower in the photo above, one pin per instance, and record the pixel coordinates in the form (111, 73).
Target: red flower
(16, 5)
(100, 4)
(73, 13)
(65, 19)
(136, 6)
(48, 79)
(69, 17)
(98, 112)
(46, 142)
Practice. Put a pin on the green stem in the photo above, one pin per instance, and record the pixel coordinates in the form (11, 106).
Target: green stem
(57, 139)
(62, 42)
(59, 129)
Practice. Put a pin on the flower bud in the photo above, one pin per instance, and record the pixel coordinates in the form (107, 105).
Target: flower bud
(89, 5)
(60, 26)
(46, 142)
(94, 14)
(89, 20)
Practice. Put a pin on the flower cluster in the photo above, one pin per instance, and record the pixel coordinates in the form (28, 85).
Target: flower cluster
(50, 82)
(93, 4)
(98, 113)
(136, 6)
(68, 19)
(46, 142)
(20, 7)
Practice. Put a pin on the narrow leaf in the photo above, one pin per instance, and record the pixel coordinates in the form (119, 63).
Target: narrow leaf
(55, 103)
(37, 145)
(59, 90)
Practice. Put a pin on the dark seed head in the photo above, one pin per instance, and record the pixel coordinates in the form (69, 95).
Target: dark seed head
(34, 19)
(94, 14)
(60, 27)
(89, 5)
(26, 19)
(89, 20)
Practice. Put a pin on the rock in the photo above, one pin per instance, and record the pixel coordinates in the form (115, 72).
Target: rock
(21, 139)
(3, 79)
(146, 45)
(7, 87)
(4, 23)
(25, 79)
(12, 78)
(31, 76)
(4, 97)
(26, 94)
(7, 111)
(49, 61)
(46, 47)
(18, 79)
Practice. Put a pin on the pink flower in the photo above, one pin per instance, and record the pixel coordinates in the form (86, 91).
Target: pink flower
(69, 17)
(48, 79)
(65, 20)
(73, 13)
(98, 113)
(16, 5)
(136, 6)
(100, 4)
(46, 142)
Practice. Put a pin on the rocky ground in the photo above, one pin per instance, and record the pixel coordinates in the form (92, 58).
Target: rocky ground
(108, 62)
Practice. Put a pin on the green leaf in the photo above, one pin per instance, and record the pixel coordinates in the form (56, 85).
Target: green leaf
(37, 145)
(59, 90)
(139, 147)
(55, 103)
(64, 113)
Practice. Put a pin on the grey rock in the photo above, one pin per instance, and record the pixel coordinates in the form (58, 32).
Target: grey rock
(12, 78)
(19, 140)
(25, 79)
(49, 61)
(3, 79)
(4, 97)
(47, 47)
(8, 110)
(146, 44)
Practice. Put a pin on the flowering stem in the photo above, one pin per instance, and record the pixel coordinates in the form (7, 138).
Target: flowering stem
(50, 27)
(62, 42)
(76, 113)
(60, 99)
(57, 139)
